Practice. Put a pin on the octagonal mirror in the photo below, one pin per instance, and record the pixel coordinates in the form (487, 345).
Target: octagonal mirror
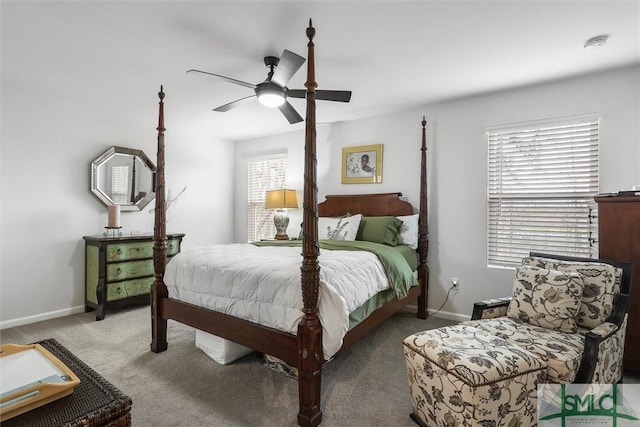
(125, 177)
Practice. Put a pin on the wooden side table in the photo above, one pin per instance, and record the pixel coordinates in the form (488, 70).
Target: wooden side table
(94, 402)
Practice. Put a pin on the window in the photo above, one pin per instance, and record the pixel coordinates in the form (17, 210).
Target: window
(119, 184)
(542, 179)
(263, 173)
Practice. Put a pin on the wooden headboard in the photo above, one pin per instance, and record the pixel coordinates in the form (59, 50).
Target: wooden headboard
(365, 204)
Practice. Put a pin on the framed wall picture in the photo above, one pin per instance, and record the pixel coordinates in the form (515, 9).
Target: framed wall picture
(362, 164)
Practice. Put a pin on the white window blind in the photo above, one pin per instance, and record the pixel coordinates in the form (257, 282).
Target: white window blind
(542, 179)
(120, 184)
(263, 173)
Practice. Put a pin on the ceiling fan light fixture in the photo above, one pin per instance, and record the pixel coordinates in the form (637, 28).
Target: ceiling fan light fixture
(270, 94)
(271, 99)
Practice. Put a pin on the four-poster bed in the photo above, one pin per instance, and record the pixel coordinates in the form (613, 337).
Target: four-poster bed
(302, 349)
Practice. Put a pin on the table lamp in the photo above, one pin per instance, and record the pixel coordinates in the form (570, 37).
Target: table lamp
(281, 200)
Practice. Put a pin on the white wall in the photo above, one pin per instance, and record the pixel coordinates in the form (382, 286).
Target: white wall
(290, 143)
(457, 166)
(48, 140)
(400, 134)
(70, 91)
(460, 153)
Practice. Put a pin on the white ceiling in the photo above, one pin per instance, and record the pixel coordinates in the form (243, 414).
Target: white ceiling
(393, 55)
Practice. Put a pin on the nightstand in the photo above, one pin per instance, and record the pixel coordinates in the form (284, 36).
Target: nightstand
(119, 270)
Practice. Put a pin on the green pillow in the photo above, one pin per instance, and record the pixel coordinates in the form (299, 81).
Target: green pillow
(379, 229)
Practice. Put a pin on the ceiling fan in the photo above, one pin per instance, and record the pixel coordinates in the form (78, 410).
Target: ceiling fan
(273, 92)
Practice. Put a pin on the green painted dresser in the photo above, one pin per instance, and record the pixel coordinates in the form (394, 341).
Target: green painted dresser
(119, 270)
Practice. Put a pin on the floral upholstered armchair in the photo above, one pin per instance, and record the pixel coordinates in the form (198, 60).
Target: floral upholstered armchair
(571, 312)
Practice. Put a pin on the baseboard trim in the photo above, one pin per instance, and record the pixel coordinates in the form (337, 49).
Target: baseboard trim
(11, 323)
(80, 309)
(457, 317)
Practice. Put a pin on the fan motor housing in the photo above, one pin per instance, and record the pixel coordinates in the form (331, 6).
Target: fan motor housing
(269, 87)
(271, 61)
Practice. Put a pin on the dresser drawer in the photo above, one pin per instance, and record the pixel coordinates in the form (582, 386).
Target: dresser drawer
(128, 288)
(126, 251)
(138, 250)
(129, 269)
(173, 247)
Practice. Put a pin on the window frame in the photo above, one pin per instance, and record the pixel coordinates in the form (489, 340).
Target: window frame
(260, 220)
(530, 188)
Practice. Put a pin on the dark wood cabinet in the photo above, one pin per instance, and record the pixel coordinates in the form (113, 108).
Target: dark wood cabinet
(619, 239)
(119, 270)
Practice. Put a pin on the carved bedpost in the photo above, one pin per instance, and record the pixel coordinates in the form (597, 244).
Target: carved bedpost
(310, 354)
(423, 233)
(158, 288)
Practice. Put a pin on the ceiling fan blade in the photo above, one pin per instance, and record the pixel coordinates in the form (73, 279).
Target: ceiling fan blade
(287, 66)
(333, 95)
(322, 95)
(290, 113)
(234, 104)
(297, 93)
(229, 79)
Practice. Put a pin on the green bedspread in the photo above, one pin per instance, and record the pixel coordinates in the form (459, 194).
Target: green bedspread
(398, 270)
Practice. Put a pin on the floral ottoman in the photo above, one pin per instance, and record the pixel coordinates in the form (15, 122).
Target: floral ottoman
(462, 376)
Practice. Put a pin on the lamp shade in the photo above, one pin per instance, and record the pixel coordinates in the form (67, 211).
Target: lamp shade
(281, 199)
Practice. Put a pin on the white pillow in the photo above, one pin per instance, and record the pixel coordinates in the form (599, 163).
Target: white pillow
(338, 228)
(409, 231)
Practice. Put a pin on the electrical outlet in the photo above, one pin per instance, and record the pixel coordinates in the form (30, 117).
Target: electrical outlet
(455, 283)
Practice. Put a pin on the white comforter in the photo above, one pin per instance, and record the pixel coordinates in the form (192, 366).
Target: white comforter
(262, 284)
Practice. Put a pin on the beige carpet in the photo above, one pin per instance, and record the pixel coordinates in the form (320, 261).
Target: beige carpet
(364, 386)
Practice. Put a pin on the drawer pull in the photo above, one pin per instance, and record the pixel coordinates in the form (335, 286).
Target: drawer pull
(118, 271)
(115, 253)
